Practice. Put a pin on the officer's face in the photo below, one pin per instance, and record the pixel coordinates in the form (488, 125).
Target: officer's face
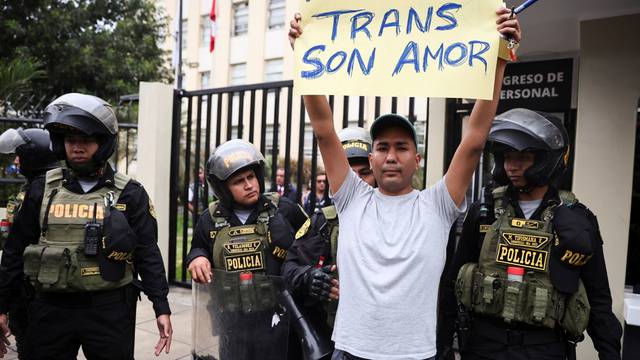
(394, 160)
(244, 188)
(280, 177)
(80, 148)
(364, 172)
(515, 164)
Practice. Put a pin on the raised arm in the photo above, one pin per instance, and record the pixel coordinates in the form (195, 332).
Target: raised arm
(321, 116)
(466, 158)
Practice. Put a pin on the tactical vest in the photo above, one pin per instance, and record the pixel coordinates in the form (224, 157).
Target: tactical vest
(57, 263)
(240, 249)
(245, 247)
(331, 229)
(330, 233)
(484, 288)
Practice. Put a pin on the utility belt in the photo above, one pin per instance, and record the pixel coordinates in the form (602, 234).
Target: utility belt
(89, 299)
(519, 336)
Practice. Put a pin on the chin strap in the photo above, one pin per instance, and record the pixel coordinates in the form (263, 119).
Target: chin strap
(91, 169)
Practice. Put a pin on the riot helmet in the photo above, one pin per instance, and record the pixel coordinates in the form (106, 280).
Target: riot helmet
(228, 159)
(356, 143)
(83, 114)
(535, 131)
(33, 148)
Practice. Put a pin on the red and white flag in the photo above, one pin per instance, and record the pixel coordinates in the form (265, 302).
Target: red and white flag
(212, 37)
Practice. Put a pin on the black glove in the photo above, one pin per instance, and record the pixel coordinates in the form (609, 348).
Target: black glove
(318, 282)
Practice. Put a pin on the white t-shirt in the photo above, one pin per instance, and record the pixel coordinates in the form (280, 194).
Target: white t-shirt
(242, 214)
(529, 207)
(391, 252)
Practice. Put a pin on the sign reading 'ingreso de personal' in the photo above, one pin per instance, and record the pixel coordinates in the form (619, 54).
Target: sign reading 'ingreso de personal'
(537, 85)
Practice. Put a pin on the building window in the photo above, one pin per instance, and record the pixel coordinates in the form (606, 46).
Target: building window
(205, 31)
(277, 14)
(238, 74)
(185, 34)
(204, 79)
(273, 70)
(240, 18)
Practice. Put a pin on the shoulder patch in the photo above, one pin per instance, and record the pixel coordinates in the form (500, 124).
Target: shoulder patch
(152, 209)
(330, 212)
(123, 207)
(303, 229)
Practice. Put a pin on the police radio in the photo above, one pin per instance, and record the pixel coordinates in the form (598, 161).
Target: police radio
(92, 234)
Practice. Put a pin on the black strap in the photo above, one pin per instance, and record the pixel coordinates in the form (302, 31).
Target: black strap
(45, 222)
(516, 337)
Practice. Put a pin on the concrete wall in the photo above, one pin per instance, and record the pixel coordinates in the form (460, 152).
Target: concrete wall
(154, 153)
(608, 93)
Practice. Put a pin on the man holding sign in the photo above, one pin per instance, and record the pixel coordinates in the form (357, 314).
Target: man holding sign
(392, 240)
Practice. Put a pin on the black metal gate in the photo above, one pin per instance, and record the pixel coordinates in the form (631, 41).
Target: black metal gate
(266, 114)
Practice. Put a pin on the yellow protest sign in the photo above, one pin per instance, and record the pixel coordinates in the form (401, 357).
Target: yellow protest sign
(397, 48)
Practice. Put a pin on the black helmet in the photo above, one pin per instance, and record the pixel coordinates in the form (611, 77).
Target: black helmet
(228, 159)
(33, 148)
(356, 143)
(536, 131)
(85, 114)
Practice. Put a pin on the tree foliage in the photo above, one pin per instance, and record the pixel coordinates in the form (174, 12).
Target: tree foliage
(15, 78)
(102, 47)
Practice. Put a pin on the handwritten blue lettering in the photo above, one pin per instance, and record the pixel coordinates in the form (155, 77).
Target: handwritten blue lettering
(476, 55)
(395, 23)
(415, 18)
(355, 55)
(336, 18)
(340, 54)
(444, 13)
(455, 61)
(317, 63)
(355, 28)
(409, 56)
(428, 54)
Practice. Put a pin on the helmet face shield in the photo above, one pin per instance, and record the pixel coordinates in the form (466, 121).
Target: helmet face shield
(527, 130)
(531, 123)
(10, 140)
(97, 109)
(85, 114)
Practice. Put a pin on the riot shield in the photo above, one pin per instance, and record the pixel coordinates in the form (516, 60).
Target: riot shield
(238, 317)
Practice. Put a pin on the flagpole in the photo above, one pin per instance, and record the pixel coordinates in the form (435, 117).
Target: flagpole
(179, 69)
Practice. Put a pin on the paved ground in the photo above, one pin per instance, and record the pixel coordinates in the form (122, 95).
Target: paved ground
(147, 332)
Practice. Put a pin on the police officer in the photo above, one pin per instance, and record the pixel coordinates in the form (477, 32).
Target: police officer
(83, 236)
(532, 281)
(246, 232)
(34, 158)
(310, 265)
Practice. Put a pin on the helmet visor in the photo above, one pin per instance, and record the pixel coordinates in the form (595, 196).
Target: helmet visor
(531, 123)
(10, 140)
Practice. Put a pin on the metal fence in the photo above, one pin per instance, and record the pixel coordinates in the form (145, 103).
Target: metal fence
(272, 118)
